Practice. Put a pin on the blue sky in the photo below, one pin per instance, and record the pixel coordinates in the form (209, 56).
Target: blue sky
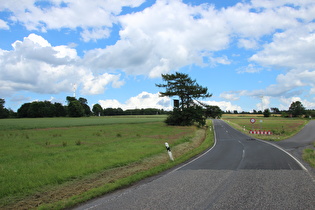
(249, 54)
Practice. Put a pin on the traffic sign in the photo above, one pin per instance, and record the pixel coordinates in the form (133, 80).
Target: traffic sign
(252, 120)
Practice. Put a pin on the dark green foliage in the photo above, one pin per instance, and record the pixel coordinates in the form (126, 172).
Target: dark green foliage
(113, 111)
(188, 91)
(181, 85)
(4, 113)
(266, 113)
(75, 109)
(78, 108)
(97, 110)
(23, 110)
(60, 110)
(213, 111)
(87, 110)
(297, 109)
(41, 109)
(187, 117)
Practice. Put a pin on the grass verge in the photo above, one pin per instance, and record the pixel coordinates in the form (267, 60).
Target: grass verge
(38, 123)
(309, 156)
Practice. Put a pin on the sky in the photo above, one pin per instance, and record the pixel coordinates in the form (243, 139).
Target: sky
(250, 54)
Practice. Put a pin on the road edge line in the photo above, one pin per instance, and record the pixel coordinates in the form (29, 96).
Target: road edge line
(283, 150)
(215, 142)
(294, 158)
(280, 148)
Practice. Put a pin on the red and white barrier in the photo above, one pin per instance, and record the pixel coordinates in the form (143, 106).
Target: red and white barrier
(259, 132)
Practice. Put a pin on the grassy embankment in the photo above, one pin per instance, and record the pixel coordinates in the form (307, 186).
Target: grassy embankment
(54, 163)
(281, 128)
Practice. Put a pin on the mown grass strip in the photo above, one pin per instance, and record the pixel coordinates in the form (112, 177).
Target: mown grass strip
(309, 156)
(37, 123)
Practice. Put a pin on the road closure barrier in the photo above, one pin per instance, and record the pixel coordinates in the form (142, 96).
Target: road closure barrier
(260, 132)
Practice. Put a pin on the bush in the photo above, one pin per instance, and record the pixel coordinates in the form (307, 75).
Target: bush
(186, 117)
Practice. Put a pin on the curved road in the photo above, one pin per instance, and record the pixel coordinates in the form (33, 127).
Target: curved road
(237, 173)
(304, 138)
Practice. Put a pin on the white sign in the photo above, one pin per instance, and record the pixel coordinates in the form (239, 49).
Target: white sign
(252, 120)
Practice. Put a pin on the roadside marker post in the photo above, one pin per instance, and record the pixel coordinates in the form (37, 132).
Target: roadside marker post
(169, 151)
(252, 121)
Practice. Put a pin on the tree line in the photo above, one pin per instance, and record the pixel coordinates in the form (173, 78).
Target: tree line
(74, 108)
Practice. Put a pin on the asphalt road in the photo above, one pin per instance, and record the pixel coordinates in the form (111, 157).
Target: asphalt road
(237, 173)
(304, 138)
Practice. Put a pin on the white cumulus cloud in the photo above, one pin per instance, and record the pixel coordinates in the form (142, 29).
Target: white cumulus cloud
(141, 101)
(34, 65)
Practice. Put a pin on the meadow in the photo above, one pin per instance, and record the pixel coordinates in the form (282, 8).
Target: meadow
(281, 128)
(33, 123)
(57, 162)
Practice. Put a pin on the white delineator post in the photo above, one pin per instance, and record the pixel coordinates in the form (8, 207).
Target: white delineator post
(169, 151)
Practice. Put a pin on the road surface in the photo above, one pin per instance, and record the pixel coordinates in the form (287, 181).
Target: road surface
(237, 173)
(304, 138)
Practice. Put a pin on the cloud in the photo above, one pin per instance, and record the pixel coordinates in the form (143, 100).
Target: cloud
(231, 96)
(141, 101)
(246, 19)
(3, 25)
(153, 100)
(34, 65)
(220, 60)
(93, 85)
(247, 43)
(154, 41)
(224, 105)
(250, 68)
(293, 83)
(291, 49)
(264, 104)
(73, 14)
(162, 38)
(95, 34)
(285, 103)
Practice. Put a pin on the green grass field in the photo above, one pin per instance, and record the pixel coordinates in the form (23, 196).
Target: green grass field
(281, 128)
(33, 123)
(55, 163)
(39, 155)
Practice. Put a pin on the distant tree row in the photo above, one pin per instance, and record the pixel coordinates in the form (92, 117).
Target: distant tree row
(5, 113)
(79, 108)
(38, 109)
(296, 109)
(99, 111)
(74, 108)
(35, 109)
